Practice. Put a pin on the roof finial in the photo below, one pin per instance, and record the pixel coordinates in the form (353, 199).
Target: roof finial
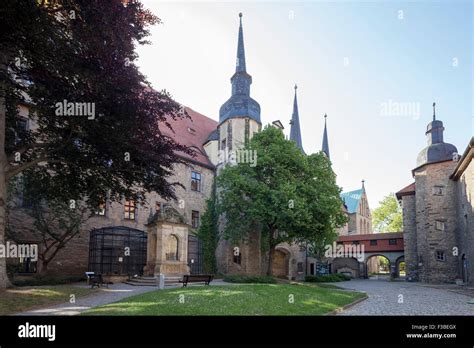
(240, 14)
(325, 116)
(434, 111)
(363, 183)
(296, 86)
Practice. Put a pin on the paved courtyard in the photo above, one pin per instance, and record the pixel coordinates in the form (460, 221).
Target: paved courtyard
(404, 298)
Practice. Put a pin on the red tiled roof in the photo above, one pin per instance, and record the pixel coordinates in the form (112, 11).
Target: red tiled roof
(406, 191)
(371, 236)
(192, 131)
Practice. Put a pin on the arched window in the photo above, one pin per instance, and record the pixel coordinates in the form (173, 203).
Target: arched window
(361, 227)
(172, 248)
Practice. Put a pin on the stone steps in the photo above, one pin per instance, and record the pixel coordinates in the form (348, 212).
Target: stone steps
(152, 281)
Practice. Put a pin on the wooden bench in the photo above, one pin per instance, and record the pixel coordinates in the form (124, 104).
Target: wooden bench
(196, 278)
(97, 280)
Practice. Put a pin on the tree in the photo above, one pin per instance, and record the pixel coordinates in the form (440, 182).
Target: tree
(96, 123)
(286, 197)
(387, 217)
(208, 234)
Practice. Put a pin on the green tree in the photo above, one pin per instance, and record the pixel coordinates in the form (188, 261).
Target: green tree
(387, 217)
(286, 197)
(81, 51)
(208, 234)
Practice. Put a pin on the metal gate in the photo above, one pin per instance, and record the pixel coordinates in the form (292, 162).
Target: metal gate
(194, 254)
(117, 250)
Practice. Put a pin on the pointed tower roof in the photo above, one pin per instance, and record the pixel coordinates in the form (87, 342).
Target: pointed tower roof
(240, 104)
(240, 65)
(295, 131)
(325, 147)
(437, 150)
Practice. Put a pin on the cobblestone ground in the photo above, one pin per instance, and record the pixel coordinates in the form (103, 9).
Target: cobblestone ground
(416, 299)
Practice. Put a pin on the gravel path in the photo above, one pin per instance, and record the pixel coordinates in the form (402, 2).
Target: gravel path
(404, 298)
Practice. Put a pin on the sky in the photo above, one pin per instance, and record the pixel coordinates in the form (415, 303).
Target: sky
(375, 68)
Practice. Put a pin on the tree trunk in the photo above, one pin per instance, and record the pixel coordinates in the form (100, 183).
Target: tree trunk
(270, 253)
(4, 282)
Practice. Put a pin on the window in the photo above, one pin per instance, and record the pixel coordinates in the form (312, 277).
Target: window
(129, 209)
(356, 242)
(392, 242)
(439, 225)
(247, 131)
(101, 207)
(440, 256)
(195, 219)
(158, 207)
(172, 248)
(223, 144)
(21, 128)
(238, 258)
(300, 267)
(438, 190)
(373, 242)
(195, 181)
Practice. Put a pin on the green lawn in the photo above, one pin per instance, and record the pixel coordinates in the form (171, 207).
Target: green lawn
(245, 299)
(25, 298)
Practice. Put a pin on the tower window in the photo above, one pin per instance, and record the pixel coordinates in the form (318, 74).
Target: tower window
(438, 190)
(247, 131)
(440, 256)
(440, 226)
(195, 181)
(392, 242)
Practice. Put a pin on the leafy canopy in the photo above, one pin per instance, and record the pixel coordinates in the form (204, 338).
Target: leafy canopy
(387, 217)
(287, 196)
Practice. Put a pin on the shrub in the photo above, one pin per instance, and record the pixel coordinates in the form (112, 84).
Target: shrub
(47, 280)
(256, 279)
(328, 278)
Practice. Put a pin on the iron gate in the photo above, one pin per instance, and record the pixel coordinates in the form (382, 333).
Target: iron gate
(117, 250)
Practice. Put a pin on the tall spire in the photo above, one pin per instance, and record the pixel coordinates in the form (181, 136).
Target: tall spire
(240, 64)
(295, 131)
(325, 147)
(240, 104)
(434, 111)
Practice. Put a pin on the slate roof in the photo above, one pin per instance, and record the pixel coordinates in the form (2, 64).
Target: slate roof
(193, 132)
(352, 199)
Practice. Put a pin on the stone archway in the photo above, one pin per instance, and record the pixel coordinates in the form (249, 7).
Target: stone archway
(281, 263)
(383, 271)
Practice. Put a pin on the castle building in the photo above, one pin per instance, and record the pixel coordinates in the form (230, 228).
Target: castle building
(160, 234)
(438, 216)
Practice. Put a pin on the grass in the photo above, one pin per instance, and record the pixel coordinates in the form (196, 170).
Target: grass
(25, 298)
(246, 299)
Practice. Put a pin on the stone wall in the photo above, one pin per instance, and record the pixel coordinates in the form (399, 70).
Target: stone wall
(465, 195)
(73, 259)
(410, 237)
(436, 222)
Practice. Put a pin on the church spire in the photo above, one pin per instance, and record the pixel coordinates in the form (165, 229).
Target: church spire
(325, 147)
(295, 131)
(240, 104)
(240, 64)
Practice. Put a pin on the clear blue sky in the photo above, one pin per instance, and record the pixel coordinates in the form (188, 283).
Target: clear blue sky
(349, 59)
